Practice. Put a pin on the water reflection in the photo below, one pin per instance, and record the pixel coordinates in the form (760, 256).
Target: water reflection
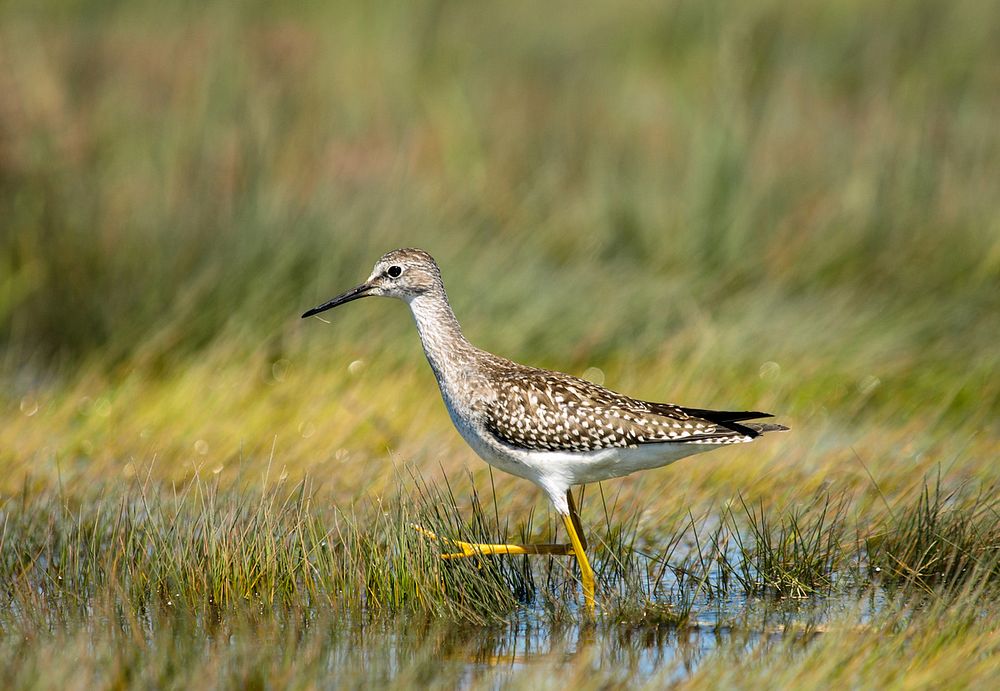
(639, 650)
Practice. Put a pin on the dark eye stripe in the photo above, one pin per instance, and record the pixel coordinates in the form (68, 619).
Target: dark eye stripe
(394, 271)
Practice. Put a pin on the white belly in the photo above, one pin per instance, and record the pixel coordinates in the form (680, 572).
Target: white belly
(557, 471)
(577, 468)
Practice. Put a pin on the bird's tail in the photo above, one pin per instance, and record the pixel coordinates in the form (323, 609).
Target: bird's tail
(734, 420)
(760, 428)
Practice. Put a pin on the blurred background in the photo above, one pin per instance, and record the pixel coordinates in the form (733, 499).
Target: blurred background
(787, 206)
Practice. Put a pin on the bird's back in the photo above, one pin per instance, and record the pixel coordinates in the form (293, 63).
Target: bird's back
(541, 410)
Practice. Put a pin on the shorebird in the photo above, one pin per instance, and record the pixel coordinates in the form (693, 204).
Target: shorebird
(548, 427)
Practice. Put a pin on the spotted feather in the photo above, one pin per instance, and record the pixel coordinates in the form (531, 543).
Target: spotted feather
(537, 409)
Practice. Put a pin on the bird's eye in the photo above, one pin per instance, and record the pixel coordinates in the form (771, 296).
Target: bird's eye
(394, 271)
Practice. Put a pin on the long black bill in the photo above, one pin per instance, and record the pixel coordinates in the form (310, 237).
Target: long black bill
(353, 294)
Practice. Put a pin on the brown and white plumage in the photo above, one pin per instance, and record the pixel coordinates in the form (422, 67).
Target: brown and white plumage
(551, 428)
(543, 410)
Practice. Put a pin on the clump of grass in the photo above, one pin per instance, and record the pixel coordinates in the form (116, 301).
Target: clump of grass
(213, 548)
(943, 539)
(796, 556)
(639, 587)
(219, 548)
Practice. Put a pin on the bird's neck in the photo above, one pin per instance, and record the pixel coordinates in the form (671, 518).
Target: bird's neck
(448, 352)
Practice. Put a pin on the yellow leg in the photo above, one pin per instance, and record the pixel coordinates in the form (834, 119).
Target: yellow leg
(471, 549)
(576, 519)
(586, 573)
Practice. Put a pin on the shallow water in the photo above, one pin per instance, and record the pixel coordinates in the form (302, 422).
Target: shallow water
(643, 651)
(531, 644)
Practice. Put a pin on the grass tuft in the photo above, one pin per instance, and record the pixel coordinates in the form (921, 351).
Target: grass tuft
(944, 538)
(797, 556)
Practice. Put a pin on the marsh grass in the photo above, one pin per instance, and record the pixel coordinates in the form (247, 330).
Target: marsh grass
(796, 556)
(144, 573)
(205, 546)
(909, 642)
(944, 538)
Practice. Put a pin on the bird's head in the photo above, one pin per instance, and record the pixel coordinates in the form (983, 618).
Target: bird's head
(404, 274)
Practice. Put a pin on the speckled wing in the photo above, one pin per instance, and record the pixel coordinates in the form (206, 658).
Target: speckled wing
(548, 411)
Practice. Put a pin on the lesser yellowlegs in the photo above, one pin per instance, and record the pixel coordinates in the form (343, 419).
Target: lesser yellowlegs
(551, 428)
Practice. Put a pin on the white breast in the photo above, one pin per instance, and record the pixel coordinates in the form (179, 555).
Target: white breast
(483, 443)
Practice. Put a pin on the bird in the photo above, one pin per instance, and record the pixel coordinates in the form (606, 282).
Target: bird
(554, 429)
